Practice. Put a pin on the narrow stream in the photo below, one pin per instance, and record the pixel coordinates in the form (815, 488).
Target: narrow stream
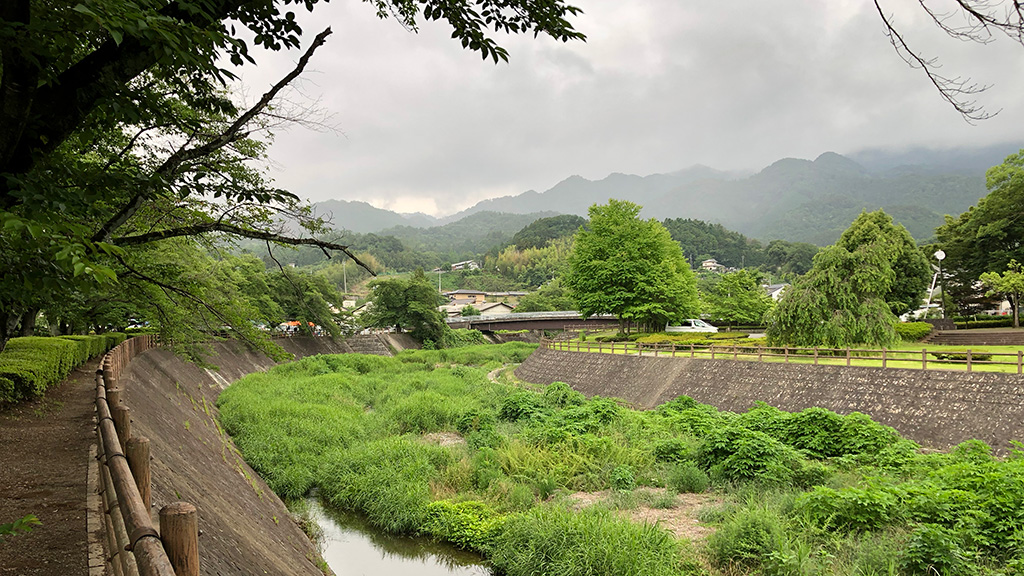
(352, 547)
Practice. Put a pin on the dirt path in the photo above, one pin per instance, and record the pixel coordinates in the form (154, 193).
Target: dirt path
(43, 471)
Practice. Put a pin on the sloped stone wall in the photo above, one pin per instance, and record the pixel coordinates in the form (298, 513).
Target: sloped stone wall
(935, 408)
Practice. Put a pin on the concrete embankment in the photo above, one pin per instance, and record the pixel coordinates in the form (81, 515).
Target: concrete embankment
(245, 528)
(934, 408)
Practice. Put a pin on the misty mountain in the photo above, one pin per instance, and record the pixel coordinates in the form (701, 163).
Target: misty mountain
(792, 199)
(475, 234)
(363, 218)
(576, 194)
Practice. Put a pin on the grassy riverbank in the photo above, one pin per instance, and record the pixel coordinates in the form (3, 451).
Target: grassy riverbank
(805, 493)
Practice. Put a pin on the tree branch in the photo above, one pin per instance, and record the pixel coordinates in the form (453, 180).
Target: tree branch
(232, 133)
(209, 227)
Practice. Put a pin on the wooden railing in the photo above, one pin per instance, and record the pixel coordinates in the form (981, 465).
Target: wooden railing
(884, 358)
(137, 549)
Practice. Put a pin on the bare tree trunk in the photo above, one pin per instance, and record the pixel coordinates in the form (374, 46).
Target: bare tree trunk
(28, 321)
(9, 321)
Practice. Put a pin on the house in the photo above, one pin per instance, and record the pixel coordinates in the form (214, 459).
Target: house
(454, 308)
(473, 296)
(467, 265)
(495, 308)
(712, 265)
(775, 290)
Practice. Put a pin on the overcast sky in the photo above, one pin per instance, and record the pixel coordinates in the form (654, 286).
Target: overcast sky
(659, 85)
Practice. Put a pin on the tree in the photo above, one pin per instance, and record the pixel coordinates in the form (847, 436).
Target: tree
(407, 305)
(469, 310)
(1009, 285)
(542, 231)
(853, 289)
(550, 297)
(839, 302)
(910, 267)
(737, 298)
(985, 238)
(115, 132)
(630, 267)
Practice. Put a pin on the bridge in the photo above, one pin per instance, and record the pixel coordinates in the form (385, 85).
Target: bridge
(535, 321)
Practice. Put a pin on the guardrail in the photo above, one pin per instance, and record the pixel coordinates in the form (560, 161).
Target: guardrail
(884, 358)
(137, 549)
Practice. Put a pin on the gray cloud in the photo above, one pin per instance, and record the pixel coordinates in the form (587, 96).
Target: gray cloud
(658, 86)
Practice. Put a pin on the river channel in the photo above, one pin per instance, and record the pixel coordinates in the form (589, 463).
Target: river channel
(352, 547)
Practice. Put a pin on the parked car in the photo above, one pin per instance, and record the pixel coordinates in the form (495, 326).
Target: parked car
(691, 325)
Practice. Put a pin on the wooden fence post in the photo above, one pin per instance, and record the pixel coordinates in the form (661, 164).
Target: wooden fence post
(179, 530)
(785, 352)
(885, 357)
(113, 397)
(847, 355)
(924, 359)
(137, 453)
(122, 424)
(968, 360)
(1020, 360)
(815, 355)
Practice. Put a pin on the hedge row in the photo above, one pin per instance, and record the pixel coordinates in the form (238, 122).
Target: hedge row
(30, 365)
(913, 331)
(1003, 322)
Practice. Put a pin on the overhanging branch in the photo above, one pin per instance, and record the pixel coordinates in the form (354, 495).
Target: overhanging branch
(226, 228)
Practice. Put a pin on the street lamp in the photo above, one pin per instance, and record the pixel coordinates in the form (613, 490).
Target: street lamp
(940, 256)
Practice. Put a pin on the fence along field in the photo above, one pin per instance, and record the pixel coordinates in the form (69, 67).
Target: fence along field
(942, 358)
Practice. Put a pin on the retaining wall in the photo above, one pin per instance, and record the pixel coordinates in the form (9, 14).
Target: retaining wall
(935, 408)
(245, 529)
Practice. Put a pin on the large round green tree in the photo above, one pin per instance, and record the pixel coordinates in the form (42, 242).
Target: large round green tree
(630, 267)
(850, 294)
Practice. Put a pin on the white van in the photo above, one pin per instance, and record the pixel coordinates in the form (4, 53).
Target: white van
(691, 325)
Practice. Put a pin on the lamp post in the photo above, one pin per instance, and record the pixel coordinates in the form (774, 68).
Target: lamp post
(940, 256)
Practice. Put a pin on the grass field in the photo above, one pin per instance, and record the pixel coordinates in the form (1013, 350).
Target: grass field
(1005, 359)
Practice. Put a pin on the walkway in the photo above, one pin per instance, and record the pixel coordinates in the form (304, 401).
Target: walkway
(43, 471)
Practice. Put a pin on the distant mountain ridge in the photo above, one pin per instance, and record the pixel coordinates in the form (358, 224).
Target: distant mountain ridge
(791, 199)
(363, 218)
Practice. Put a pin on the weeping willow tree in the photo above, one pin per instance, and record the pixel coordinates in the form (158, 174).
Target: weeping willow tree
(849, 295)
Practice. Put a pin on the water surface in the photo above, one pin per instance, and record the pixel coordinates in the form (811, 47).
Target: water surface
(352, 547)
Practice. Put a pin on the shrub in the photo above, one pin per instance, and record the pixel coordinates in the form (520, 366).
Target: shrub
(470, 525)
(622, 478)
(687, 477)
(961, 356)
(934, 549)
(521, 405)
(746, 539)
(560, 395)
(34, 363)
(854, 509)
(913, 331)
(735, 453)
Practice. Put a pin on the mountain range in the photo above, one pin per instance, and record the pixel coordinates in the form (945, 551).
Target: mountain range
(791, 199)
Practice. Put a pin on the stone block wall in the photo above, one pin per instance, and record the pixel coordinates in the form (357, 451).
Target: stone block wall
(935, 408)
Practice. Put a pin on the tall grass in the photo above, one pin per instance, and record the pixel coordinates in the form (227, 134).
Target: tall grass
(806, 493)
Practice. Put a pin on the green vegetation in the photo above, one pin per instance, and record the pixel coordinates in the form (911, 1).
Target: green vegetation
(851, 293)
(985, 238)
(736, 298)
(1009, 285)
(407, 305)
(20, 526)
(31, 365)
(811, 492)
(543, 231)
(913, 331)
(629, 267)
